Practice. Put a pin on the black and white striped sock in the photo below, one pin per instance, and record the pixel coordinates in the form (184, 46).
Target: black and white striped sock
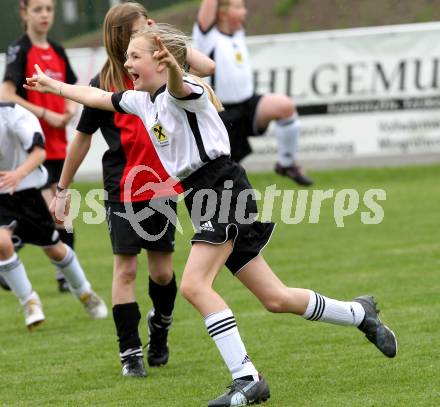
(223, 330)
(325, 309)
(132, 352)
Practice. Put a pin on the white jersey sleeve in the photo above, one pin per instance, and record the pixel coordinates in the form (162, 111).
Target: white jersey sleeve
(204, 41)
(133, 102)
(20, 131)
(26, 127)
(195, 101)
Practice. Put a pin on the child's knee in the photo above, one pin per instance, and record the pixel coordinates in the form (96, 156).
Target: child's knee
(276, 303)
(190, 289)
(6, 247)
(287, 108)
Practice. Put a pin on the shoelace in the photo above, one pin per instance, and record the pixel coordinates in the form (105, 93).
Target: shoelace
(235, 387)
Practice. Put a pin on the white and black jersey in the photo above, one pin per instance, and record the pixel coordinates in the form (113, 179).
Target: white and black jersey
(20, 132)
(186, 133)
(232, 81)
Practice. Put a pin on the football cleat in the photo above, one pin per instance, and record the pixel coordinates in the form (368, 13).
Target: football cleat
(94, 305)
(63, 285)
(373, 328)
(242, 393)
(295, 173)
(158, 352)
(133, 366)
(33, 312)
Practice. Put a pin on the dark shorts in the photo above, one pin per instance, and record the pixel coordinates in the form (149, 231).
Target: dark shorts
(54, 168)
(240, 121)
(155, 231)
(25, 213)
(226, 211)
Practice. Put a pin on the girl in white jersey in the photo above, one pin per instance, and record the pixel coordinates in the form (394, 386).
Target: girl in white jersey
(192, 142)
(219, 33)
(24, 217)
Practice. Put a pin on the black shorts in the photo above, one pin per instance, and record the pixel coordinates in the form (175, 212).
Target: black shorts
(222, 221)
(54, 168)
(155, 232)
(26, 214)
(240, 121)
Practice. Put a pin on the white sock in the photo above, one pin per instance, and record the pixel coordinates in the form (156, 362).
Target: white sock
(223, 330)
(73, 272)
(13, 271)
(325, 309)
(287, 134)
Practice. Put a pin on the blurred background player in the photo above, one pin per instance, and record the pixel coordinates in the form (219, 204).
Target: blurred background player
(219, 33)
(25, 218)
(129, 147)
(54, 113)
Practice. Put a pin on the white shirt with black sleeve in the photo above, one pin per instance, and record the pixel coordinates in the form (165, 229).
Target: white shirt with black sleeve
(20, 132)
(232, 80)
(186, 133)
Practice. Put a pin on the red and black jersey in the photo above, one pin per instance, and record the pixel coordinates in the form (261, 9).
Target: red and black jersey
(130, 147)
(21, 57)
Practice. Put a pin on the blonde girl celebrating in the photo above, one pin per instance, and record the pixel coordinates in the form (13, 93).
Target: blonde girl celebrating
(220, 201)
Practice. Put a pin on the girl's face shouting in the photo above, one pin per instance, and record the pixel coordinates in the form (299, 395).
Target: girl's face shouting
(141, 65)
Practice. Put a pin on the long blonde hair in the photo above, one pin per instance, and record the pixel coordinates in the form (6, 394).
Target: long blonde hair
(177, 43)
(118, 24)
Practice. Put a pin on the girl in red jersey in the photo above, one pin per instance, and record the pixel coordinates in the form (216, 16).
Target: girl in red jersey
(54, 112)
(129, 148)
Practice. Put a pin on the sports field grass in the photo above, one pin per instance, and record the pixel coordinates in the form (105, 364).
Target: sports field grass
(72, 361)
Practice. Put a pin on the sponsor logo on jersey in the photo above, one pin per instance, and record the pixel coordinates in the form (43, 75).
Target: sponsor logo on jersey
(12, 53)
(161, 135)
(239, 57)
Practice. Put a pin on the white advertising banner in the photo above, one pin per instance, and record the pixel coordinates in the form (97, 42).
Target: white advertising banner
(372, 92)
(361, 93)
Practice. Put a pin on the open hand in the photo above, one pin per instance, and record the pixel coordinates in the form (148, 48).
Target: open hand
(163, 56)
(9, 181)
(41, 82)
(60, 207)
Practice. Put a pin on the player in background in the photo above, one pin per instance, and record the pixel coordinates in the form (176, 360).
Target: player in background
(130, 147)
(34, 47)
(197, 153)
(25, 218)
(219, 33)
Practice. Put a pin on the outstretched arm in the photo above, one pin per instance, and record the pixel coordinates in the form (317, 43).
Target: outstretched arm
(8, 93)
(86, 95)
(199, 63)
(175, 83)
(207, 14)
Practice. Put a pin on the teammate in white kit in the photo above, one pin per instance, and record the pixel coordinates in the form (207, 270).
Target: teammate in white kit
(219, 33)
(24, 217)
(192, 143)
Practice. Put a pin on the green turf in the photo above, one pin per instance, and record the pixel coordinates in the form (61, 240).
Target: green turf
(72, 361)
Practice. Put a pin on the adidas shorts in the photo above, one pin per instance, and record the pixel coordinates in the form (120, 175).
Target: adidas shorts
(220, 220)
(26, 214)
(129, 236)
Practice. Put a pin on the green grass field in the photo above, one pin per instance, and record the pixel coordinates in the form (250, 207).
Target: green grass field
(72, 361)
